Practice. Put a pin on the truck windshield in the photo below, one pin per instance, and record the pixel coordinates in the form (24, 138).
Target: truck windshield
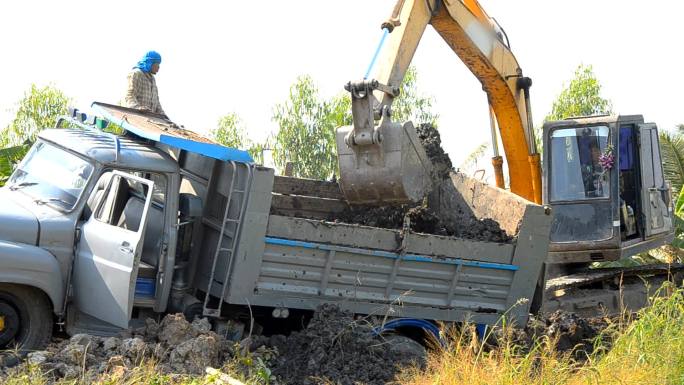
(52, 176)
(577, 172)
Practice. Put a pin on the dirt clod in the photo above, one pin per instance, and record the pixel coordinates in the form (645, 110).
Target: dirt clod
(176, 345)
(194, 355)
(335, 347)
(425, 220)
(432, 142)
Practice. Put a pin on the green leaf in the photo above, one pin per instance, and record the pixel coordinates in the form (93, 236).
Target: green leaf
(37, 110)
(307, 124)
(582, 97)
(9, 158)
(672, 151)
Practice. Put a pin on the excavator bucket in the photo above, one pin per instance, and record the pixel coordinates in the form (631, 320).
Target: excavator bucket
(393, 169)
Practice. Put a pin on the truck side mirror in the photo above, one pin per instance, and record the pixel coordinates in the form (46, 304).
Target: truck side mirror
(190, 206)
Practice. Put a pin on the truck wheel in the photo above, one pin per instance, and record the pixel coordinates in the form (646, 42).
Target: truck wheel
(406, 347)
(25, 318)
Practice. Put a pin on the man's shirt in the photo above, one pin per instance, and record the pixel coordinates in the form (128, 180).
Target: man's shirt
(142, 92)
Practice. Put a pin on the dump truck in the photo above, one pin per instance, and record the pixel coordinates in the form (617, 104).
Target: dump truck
(99, 231)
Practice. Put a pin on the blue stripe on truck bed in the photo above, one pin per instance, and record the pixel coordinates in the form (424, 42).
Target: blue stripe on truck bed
(387, 254)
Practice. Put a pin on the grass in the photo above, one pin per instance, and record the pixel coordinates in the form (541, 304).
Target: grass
(646, 349)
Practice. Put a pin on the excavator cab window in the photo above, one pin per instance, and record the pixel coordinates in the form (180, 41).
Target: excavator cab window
(577, 172)
(629, 182)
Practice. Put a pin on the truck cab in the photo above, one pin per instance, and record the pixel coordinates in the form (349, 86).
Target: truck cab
(88, 224)
(603, 177)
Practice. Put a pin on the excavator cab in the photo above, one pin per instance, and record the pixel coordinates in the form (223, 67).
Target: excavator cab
(603, 177)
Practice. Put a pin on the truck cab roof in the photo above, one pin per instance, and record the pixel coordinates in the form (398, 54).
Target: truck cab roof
(102, 147)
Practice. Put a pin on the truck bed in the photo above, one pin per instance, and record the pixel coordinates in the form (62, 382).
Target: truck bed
(285, 260)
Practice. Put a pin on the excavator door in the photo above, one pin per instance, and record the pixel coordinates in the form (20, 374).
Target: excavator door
(655, 194)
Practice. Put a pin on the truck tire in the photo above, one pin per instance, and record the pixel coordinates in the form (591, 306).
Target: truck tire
(406, 347)
(26, 314)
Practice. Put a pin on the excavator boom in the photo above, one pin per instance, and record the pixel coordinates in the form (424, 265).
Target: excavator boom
(473, 36)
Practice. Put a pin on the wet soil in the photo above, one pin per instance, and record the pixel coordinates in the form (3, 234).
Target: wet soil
(432, 143)
(424, 220)
(335, 347)
(569, 332)
(176, 345)
(421, 218)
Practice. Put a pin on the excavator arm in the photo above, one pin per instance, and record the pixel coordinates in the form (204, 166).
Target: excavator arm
(478, 42)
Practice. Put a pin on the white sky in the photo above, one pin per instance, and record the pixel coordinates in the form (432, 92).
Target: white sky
(242, 56)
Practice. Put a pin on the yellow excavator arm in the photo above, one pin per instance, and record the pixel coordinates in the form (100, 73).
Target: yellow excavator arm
(479, 43)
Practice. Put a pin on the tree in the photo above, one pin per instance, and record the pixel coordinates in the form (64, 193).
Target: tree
(306, 135)
(672, 152)
(411, 105)
(39, 109)
(231, 132)
(582, 97)
(307, 124)
(9, 158)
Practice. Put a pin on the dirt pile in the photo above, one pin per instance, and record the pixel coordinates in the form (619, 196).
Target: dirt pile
(432, 143)
(424, 220)
(335, 347)
(176, 345)
(569, 332)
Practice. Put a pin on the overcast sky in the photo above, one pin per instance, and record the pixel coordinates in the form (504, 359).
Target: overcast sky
(242, 56)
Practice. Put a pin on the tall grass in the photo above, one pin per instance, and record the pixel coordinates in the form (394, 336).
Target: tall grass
(649, 350)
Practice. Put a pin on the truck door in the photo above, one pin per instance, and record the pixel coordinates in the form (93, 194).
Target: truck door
(655, 195)
(108, 253)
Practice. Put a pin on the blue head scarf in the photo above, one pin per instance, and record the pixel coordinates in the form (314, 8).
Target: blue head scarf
(145, 64)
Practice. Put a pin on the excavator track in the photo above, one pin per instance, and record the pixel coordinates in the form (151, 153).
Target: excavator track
(609, 290)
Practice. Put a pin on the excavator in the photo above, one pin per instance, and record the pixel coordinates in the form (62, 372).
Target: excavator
(601, 176)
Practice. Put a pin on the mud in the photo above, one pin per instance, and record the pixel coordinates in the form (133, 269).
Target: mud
(337, 348)
(334, 347)
(422, 219)
(568, 332)
(432, 142)
(175, 345)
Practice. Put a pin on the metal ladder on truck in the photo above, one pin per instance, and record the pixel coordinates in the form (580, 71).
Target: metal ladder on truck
(235, 207)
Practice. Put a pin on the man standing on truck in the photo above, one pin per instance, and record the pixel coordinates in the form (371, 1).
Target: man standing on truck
(142, 91)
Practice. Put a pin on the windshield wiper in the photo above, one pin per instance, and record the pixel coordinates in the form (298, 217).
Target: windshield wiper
(42, 201)
(17, 186)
